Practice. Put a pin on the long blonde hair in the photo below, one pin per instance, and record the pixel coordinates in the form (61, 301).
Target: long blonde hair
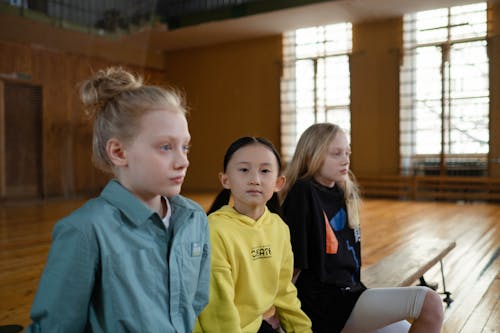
(116, 100)
(307, 161)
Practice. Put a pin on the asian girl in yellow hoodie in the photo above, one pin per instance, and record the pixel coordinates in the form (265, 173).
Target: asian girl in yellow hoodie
(252, 260)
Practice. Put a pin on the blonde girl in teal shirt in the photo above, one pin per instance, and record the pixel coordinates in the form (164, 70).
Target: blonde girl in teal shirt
(136, 258)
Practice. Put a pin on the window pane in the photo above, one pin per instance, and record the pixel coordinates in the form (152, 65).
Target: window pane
(337, 80)
(469, 126)
(431, 26)
(428, 75)
(305, 83)
(306, 43)
(316, 80)
(428, 127)
(468, 21)
(338, 37)
(341, 117)
(444, 88)
(469, 70)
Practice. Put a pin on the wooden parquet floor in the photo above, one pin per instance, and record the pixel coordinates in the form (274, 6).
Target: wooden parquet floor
(472, 269)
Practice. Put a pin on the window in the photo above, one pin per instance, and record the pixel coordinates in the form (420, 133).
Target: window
(444, 92)
(316, 81)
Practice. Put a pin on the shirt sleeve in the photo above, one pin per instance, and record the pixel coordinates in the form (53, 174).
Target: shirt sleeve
(202, 292)
(295, 210)
(221, 314)
(291, 317)
(65, 288)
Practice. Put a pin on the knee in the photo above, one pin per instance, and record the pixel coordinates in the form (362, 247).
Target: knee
(432, 309)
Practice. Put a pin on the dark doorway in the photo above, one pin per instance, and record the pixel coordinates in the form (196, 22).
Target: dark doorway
(22, 141)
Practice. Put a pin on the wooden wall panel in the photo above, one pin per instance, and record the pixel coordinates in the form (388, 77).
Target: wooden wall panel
(233, 90)
(133, 49)
(68, 170)
(375, 97)
(494, 56)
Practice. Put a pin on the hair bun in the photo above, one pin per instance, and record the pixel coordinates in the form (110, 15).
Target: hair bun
(105, 85)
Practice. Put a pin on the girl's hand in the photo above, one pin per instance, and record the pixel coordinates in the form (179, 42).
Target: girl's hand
(272, 318)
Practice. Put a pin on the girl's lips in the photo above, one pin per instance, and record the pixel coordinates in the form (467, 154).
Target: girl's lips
(177, 180)
(253, 192)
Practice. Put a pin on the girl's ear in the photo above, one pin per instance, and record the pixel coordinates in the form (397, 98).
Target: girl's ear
(280, 182)
(224, 180)
(116, 152)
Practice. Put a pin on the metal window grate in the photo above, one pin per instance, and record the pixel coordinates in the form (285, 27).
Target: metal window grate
(444, 92)
(315, 86)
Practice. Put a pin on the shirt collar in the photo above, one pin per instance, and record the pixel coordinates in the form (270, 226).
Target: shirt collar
(135, 210)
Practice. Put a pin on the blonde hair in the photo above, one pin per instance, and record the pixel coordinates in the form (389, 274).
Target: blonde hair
(307, 161)
(116, 100)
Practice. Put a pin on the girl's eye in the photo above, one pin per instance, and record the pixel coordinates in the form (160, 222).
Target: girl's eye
(265, 171)
(243, 169)
(166, 147)
(186, 148)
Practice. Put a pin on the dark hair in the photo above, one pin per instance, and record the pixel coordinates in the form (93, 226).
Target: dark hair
(224, 195)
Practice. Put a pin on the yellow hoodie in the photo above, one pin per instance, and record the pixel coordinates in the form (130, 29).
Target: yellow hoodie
(252, 265)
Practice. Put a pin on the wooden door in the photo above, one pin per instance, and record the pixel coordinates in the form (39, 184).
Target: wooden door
(21, 141)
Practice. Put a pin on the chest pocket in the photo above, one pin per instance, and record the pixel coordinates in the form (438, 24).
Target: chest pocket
(191, 255)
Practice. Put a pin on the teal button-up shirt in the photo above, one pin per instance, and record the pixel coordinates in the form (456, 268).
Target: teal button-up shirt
(114, 267)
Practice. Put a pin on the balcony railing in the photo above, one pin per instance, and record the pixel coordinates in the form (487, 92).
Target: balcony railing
(122, 16)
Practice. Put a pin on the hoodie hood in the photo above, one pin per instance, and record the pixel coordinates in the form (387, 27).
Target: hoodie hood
(230, 215)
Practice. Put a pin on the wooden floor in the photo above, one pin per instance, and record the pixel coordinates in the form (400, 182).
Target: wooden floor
(472, 268)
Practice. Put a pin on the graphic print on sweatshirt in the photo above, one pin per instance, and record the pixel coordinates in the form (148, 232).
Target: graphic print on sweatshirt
(337, 223)
(261, 252)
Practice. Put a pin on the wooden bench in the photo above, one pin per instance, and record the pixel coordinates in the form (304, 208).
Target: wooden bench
(408, 264)
(431, 187)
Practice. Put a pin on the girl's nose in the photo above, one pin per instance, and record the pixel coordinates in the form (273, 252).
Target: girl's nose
(254, 179)
(181, 160)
